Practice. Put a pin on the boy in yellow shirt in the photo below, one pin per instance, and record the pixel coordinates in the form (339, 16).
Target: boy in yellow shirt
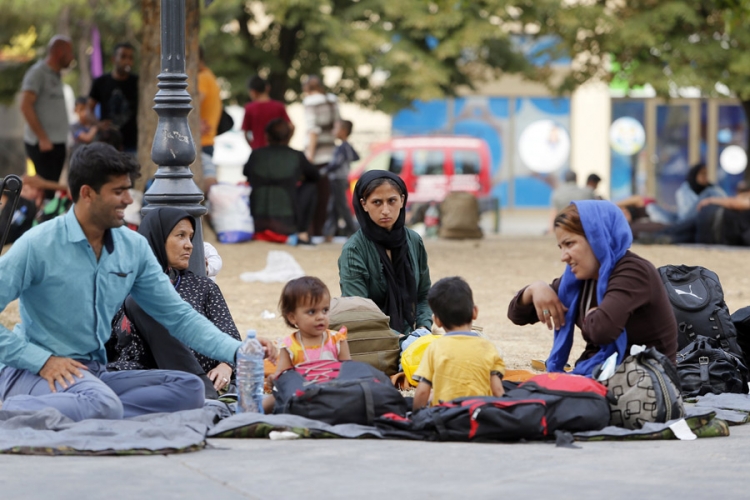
(459, 363)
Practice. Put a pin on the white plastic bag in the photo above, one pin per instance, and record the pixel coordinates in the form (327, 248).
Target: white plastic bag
(230, 212)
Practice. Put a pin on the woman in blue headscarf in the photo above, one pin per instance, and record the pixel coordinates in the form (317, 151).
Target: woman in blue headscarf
(614, 296)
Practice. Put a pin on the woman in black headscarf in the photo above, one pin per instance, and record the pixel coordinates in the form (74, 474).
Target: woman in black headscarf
(138, 342)
(695, 188)
(385, 261)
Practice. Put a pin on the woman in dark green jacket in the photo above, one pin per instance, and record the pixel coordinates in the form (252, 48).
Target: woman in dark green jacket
(385, 261)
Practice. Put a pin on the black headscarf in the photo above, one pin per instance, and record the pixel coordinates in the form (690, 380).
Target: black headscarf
(156, 226)
(692, 178)
(400, 299)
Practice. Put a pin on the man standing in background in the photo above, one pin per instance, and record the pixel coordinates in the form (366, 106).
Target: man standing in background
(43, 108)
(260, 111)
(210, 111)
(117, 95)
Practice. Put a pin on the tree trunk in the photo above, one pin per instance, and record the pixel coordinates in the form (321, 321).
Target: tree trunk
(84, 59)
(150, 69)
(746, 109)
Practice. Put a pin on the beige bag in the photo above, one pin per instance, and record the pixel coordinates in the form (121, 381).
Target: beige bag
(459, 216)
(369, 336)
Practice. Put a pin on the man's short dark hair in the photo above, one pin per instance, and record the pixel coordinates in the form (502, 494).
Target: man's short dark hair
(257, 84)
(278, 131)
(346, 125)
(81, 100)
(96, 164)
(122, 45)
(593, 179)
(452, 302)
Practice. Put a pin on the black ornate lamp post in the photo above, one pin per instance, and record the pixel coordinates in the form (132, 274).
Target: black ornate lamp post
(174, 150)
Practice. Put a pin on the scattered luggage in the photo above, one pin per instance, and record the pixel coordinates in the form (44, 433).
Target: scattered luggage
(369, 333)
(459, 216)
(705, 368)
(741, 321)
(471, 419)
(644, 388)
(357, 395)
(698, 303)
(573, 403)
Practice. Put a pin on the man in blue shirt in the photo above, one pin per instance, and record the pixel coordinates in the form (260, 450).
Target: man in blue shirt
(71, 275)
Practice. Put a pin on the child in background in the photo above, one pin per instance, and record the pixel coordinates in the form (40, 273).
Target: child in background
(460, 363)
(304, 305)
(213, 261)
(84, 132)
(338, 175)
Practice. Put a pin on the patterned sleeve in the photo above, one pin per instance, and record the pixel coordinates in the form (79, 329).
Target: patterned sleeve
(217, 311)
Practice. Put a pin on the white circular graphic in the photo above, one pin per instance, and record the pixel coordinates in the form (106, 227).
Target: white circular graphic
(544, 146)
(733, 160)
(626, 136)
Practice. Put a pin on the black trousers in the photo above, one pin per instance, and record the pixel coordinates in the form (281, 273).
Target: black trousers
(338, 208)
(48, 164)
(167, 352)
(321, 208)
(305, 204)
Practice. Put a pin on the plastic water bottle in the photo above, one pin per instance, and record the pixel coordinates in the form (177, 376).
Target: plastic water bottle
(250, 375)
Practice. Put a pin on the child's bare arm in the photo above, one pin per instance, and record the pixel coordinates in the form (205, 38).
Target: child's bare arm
(285, 362)
(496, 384)
(344, 354)
(422, 395)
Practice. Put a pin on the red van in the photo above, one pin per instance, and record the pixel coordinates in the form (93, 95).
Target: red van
(432, 166)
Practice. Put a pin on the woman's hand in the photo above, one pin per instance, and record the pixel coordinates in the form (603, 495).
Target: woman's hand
(220, 376)
(548, 307)
(272, 352)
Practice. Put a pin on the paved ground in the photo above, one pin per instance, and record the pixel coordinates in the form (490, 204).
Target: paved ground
(332, 469)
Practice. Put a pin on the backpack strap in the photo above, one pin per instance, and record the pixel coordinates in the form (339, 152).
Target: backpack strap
(369, 403)
(703, 365)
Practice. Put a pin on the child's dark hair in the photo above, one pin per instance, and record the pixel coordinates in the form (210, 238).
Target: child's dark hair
(81, 100)
(257, 84)
(304, 290)
(346, 125)
(452, 302)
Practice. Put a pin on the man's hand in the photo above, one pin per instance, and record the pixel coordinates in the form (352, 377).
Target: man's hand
(60, 370)
(220, 375)
(45, 145)
(272, 352)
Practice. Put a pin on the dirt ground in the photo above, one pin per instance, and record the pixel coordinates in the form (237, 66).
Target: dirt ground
(495, 267)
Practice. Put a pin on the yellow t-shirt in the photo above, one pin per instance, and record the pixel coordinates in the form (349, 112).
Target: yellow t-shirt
(460, 364)
(211, 105)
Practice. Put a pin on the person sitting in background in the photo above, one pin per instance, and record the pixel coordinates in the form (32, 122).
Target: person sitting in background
(691, 192)
(138, 342)
(615, 297)
(283, 182)
(592, 182)
(459, 363)
(566, 193)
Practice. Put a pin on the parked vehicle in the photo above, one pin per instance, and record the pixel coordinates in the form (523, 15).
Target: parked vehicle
(432, 166)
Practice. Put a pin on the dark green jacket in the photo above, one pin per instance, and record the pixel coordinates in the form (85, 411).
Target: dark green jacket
(361, 274)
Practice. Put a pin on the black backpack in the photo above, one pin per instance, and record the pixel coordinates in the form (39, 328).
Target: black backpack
(706, 368)
(10, 185)
(484, 418)
(741, 321)
(573, 403)
(699, 308)
(358, 395)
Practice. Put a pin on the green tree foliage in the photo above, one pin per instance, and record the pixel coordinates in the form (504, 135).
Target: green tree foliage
(117, 20)
(389, 52)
